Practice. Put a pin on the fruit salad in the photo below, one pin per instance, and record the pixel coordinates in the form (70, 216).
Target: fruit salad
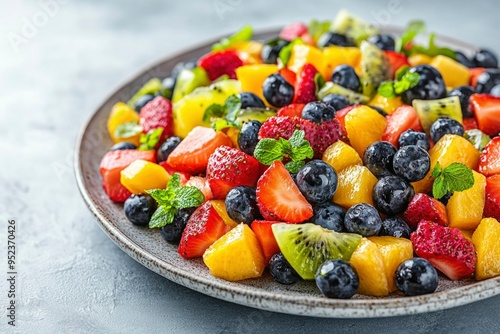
(333, 152)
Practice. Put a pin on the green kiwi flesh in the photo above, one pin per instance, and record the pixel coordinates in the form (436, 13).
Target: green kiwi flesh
(429, 111)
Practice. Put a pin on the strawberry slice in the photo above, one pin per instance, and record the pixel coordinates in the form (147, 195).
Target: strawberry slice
(191, 155)
(292, 110)
(202, 184)
(279, 198)
(469, 123)
(293, 30)
(402, 119)
(229, 167)
(492, 204)
(203, 228)
(445, 248)
(396, 60)
(486, 110)
(264, 233)
(155, 114)
(289, 75)
(219, 63)
(474, 74)
(424, 207)
(489, 160)
(305, 87)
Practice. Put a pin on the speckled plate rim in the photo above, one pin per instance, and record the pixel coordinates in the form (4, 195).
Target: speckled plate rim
(257, 297)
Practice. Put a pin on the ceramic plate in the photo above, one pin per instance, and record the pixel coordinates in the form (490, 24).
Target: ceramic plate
(147, 247)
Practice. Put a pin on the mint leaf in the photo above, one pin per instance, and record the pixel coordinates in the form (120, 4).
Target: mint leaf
(402, 71)
(437, 170)
(127, 130)
(318, 28)
(296, 148)
(433, 50)
(386, 89)
(455, 177)
(162, 216)
(407, 81)
(222, 124)
(268, 150)
(188, 197)
(174, 182)
(233, 106)
(223, 116)
(243, 35)
(413, 29)
(286, 52)
(149, 140)
(294, 166)
(301, 148)
(213, 111)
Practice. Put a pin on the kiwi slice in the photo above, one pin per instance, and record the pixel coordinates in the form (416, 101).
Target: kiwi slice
(351, 96)
(374, 68)
(430, 110)
(307, 246)
(188, 80)
(477, 138)
(353, 27)
(257, 114)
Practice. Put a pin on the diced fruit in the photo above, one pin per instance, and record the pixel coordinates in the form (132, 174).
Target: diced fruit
(263, 231)
(305, 87)
(424, 207)
(291, 110)
(474, 75)
(289, 75)
(220, 207)
(364, 126)
(257, 114)
(252, 77)
(355, 186)
(293, 30)
(485, 239)
(353, 27)
(387, 104)
(279, 198)
(249, 51)
(335, 55)
(454, 73)
(305, 54)
(374, 68)
(339, 155)
(142, 175)
(402, 119)
(351, 96)
(157, 114)
(192, 154)
(396, 60)
(492, 204)
(308, 246)
(470, 123)
(430, 110)
(203, 228)
(419, 59)
(220, 63)
(120, 114)
(465, 208)
(188, 80)
(445, 248)
(151, 87)
(240, 245)
(202, 184)
(487, 113)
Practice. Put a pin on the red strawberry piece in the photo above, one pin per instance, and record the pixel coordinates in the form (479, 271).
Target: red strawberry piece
(157, 113)
(203, 228)
(278, 197)
(308, 39)
(202, 184)
(279, 127)
(292, 110)
(305, 87)
(492, 204)
(396, 60)
(340, 115)
(112, 164)
(474, 74)
(293, 30)
(469, 123)
(289, 75)
(445, 248)
(402, 119)
(489, 160)
(229, 167)
(219, 63)
(486, 110)
(264, 233)
(424, 207)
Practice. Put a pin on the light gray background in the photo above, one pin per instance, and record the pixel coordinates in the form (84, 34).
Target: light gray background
(73, 279)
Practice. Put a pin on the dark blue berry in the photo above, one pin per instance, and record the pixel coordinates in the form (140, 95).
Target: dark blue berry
(445, 198)
(391, 195)
(172, 232)
(124, 145)
(487, 80)
(443, 126)
(416, 277)
(337, 279)
(317, 181)
(281, 270)
(249, 136)
(464, 60)
(378, 158)
(167, 87)
(277, 91)
(337, 101)
(383, 42)
(362, 218)
(181, 66)
(495, 90)
(345, 76)
(412, 137)
(166, 148)
(241, 204)
(318, 112)
(142, 101)
(250, 100)
(330, 216)
(395, 227)
(332, 38)
(464, 93)
(485, 58)
(271, 50)
(430, 87)
(139, 209)
(411, 163)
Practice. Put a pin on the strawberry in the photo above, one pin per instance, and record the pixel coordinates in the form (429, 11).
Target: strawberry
(492, 191)
(445, 248)
(396, 60)
(203, 228)
(489, 160)
(279, 198)
(184, 177)
(305, 87)
(340, 115)
(289, 76)
(402, 119)
(293, 30)
(263, 231)
(219, 63)
(157, 113)
(191, 155)
(424, 207)
(469, 123)
(292, 110)
(486, 110)
(202, 184)
(474, 74)
(112, 164)
(229, 167)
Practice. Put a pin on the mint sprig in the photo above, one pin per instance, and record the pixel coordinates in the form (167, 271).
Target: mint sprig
(127, 129)
(243, 35)
(413, 29)
(433, 50)
(405, 80)
(455, 177)
(286, 52)
(297, 149)
(171, 199)
(223, 116)
(149, 140)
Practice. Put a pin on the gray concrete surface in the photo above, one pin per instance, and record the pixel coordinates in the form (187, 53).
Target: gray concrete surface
(72, 278)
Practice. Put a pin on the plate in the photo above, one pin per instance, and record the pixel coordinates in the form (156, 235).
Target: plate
(148, 248)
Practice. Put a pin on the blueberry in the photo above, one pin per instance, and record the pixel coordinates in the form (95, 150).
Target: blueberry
(412, 137)
(487, 80)
(495, 90)
(317, 181)
(181, 66)
(281, 270)
(249, 136)
(383, 42)
(378, 158)
(379, 110)
(345, 76)
(167, 87)
(391, 195)
(443, 126)
(430, 87)
(416, 277)
(277, 91)
(124, 145)
(250, 100)
(241, 204)
(395, 227)
(332, 38)
(172, 232)
(337, 101)
(363, 218)
(139, 209)
(463, 59)
(330, 216)
(166, 148)
(318, 112)
(271, 50)
(142, 101)
(412, 163)
(445, 198)
(485, 58)
(337, 279)
(464, 93)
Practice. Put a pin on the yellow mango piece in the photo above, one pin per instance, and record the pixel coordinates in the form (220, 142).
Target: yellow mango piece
(387, 104)
(340, 155)
(364, 127)
(394, 251)
(236, 255)
(465, 208)
(419, 59)
(142, 175)
(369, 264)
(334, 56)
(305, 54)
(449, 149)
(220, 206)
(486, 242)
(454, 74)
(122, 113)
(249, 51)
(355, 185)
(252, 77)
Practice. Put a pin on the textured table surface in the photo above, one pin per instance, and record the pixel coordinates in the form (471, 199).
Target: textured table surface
(57, 62)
